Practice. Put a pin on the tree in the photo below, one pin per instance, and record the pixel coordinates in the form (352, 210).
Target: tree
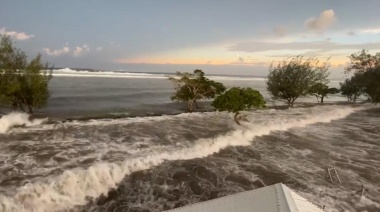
(351, 89)
(321, 91)
(366, 73)
(192, 87)
(293, 78)
(362, 62)
(238, 99)
(369, 83)
(23, 84)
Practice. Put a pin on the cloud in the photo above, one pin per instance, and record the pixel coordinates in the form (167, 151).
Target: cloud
(371, 31)
(321, 23)
(100, 48)
(313, 45)
(308, 54)
(351, 33)
(15, 35)
(248, 61)
(57, 52)
(78, 51)
(81, 50)
(280, 31)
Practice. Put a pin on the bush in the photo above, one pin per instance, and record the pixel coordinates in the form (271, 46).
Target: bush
(238, 99)
(23, 84)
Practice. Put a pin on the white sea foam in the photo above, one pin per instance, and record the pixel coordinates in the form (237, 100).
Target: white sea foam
(75, 187)
(17, 119)
(67, 72)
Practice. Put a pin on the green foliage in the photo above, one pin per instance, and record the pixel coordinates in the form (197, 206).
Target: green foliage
(295, 77)
(321, 91)
(192, 87)
(351, 89)
(363, 61)
(366, 74)
(23, 84)
(369, 82)
(238, 99)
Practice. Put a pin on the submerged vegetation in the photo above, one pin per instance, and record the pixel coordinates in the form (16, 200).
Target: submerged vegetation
(322, 91)
(192, 87)
(294, 78)
(238, 99)
(288, 80)
(365, 79)
(23, 83)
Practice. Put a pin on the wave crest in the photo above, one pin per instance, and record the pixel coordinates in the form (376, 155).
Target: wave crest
(75, 187)
(17, 119)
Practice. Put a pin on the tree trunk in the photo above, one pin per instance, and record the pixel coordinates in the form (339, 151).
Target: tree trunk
(196, 104)
(236, 118)
(322, 99)
(190, 105)
(30, 109)
(318, 99)
(21, 107)
(14, 105)
(292, 102)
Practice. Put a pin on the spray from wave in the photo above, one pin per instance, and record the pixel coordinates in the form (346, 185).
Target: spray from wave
(17, 119)
(76, 187)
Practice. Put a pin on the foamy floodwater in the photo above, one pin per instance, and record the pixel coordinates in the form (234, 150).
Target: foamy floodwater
(158, 163)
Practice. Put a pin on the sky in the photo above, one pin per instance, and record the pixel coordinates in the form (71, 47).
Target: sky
(237, 37)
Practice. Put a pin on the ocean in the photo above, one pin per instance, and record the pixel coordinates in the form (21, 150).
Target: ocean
(115, 142)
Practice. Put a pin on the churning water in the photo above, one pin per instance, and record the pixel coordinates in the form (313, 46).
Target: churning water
(162, 162)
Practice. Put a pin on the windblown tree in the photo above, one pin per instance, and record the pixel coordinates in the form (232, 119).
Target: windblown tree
(366, 73)
(321, 91)
(23, 83)
(192, 87)
(238, 99)
(293, 78)
(351, 89)
(363, 61)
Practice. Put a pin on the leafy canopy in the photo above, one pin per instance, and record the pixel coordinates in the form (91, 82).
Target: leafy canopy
(351, 89)
(321, 91)
(366, 73)
(192, 87)
(362, 62)
(239, 99)
(23, 84)
(293, 78)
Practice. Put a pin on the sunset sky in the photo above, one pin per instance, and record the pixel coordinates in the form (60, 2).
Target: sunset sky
(218, 36)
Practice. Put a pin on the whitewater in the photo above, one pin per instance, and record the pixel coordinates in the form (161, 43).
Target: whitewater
(67, 72)
(113, 141)
(79, 186)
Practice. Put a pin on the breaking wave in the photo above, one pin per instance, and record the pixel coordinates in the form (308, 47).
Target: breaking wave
(67, 72)
(17, 119)
(77, 187)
